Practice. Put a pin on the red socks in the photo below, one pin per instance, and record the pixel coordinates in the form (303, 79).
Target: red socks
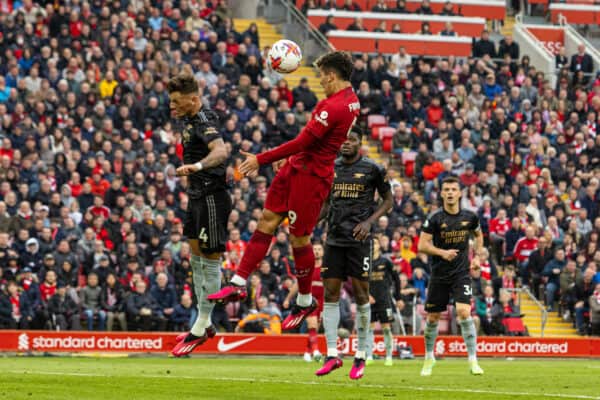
(254, 254)
(305, 264)
(313, 342)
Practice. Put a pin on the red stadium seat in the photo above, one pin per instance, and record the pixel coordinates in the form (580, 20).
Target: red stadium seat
(376, 120)
(375, 133)
(463, 26)
(386, 132)
(386, 145)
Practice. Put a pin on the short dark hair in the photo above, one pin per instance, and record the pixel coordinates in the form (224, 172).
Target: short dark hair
(339, 62)
(357, 130)
(450, 179)
(183, 83)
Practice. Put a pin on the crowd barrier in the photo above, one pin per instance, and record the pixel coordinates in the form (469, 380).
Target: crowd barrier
(258, 344)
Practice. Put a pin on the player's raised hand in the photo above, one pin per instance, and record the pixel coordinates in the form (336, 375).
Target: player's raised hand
(450, 254)
(186, 169)
(250, 165)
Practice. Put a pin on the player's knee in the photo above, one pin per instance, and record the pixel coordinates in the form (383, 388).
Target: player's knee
(331, 295)
(268, 222)
(299, 241)
(433, 318)
(362, 298)
(463, 312)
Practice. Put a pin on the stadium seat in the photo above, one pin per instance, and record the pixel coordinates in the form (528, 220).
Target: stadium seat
(575, 13)
(386, 144)
(410, 23)
(388, 43)
(491, 10)
(386, 132)
(376, 120)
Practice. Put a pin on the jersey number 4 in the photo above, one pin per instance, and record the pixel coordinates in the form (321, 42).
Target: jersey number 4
(203, 236)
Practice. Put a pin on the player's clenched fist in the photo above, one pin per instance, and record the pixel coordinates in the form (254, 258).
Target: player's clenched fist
(449, 255)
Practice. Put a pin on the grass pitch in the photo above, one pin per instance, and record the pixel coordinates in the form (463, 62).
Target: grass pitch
(40, 378)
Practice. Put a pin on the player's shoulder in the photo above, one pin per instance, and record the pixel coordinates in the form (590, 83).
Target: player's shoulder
(339, 162)
(468, 214)
(208, 116)
(435, 215)
(372, 164)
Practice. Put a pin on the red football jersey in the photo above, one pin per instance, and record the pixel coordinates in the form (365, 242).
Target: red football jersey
(499, 227)
(331, 122)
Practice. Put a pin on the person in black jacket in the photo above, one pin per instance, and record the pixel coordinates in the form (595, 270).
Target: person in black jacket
(425, 8)
(63, 311)
(164, 295)
(327, 26)
(508, 46)
(305, 95)
(143, 312)
(184, 314)
(6, 313)
(112, 301)
(484, 46)
(537, 261)
(582, 61)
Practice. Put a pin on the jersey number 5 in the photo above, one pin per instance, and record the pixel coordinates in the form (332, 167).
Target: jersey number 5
(366, 264)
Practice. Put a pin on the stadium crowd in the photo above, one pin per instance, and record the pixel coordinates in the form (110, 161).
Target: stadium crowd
(91, 210)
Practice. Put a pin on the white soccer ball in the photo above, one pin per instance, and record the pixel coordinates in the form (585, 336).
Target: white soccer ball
(285, 56)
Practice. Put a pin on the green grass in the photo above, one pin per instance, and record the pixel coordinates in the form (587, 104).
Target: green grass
(41, 378)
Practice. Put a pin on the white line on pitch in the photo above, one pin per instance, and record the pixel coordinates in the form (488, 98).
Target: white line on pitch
(337, 384)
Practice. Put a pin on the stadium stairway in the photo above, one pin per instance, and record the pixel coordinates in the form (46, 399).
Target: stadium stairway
(268, 35)
(555, 326)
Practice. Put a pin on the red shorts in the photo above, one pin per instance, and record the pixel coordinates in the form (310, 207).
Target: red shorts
(300, 196)
(318, 292)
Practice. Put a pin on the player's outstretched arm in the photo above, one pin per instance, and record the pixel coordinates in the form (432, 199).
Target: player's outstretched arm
(217, 156)
(362, 230)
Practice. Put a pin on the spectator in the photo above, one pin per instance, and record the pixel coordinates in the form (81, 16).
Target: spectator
(15, 308)
(508, 46)
(381, 6)
(584, 288)
(90, 302)
(303, 93)
(165, 296)
(448, 28)
(594, 302)
(489, 312)
(448, 10)
(582, 61)
(350, 5)
(112, 301)
(484, 46)
(63, 311)
(184, 314)
(357, 25)
(522, 251)
(424, 8)
(143, 312)
(266, 319)
(402, 59)
(551, 273)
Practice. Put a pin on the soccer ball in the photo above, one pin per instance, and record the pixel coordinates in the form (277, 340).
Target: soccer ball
(285, 56)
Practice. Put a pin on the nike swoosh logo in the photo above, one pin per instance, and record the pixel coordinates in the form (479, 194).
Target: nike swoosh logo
(225, 347)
